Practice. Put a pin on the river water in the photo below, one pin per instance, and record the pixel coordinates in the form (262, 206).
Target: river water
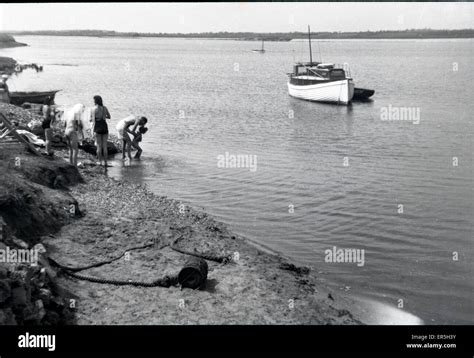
(325, 175)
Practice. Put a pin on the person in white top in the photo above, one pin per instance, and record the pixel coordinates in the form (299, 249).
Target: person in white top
(73, 125)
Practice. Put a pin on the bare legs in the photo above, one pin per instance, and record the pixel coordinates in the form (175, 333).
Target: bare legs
(48, 135)
(73, 151)
(105, 149)
(139, 150)
(126, 146)
(102, 150)
(98, 142)
(72, 143)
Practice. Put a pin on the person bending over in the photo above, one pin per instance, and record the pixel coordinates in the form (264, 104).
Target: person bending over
(128, 126)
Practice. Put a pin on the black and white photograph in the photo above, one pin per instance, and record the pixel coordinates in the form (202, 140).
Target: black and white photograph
(237, 164)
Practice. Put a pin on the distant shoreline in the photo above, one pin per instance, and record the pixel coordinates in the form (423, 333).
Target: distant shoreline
(253, 36)
(7, 41)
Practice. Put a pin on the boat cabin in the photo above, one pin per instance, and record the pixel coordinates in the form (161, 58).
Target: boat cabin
(313, 73)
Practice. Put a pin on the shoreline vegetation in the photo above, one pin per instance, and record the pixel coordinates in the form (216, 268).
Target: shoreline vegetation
(274, 36)
(110, 216)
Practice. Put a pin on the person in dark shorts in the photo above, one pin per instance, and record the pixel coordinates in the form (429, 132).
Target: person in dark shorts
(101, 129)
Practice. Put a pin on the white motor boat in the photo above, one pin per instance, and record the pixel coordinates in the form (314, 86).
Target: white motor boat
(321, 82)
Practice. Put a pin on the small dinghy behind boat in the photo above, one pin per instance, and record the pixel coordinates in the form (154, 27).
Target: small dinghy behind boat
(362, 94)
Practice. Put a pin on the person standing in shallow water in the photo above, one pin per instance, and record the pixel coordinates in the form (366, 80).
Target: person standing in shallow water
(136, 141)
(100, 115)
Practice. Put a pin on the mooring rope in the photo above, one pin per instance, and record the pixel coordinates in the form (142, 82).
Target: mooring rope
(220, 259)
(101, 263)
(165, 281)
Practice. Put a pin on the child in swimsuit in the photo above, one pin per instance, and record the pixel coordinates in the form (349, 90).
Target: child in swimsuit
(138, 138)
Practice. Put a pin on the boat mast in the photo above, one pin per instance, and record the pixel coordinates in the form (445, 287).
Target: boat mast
(310, 52)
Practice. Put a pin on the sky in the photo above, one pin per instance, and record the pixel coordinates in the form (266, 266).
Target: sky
(235, 17)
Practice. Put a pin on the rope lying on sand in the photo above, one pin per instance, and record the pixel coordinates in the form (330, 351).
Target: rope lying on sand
(209, 257)
(165, 281)
(101, 263)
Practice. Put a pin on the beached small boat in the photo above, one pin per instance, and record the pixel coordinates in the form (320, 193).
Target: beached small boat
(262, 50)
(18, 98)
(320, 82)
(362, 94)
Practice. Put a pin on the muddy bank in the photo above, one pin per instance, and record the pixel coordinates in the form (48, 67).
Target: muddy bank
(110, 217)
(34, 201)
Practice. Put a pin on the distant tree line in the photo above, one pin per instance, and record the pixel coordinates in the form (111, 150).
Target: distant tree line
(273, 36)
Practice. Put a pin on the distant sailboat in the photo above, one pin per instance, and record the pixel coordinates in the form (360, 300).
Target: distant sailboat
(262, 50)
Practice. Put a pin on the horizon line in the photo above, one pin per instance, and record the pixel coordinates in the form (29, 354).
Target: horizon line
(237, 32)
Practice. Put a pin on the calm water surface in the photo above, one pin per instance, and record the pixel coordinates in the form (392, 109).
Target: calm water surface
(206, 98)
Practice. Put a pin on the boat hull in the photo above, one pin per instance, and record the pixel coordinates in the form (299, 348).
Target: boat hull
(340, 92)
(18, 98)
